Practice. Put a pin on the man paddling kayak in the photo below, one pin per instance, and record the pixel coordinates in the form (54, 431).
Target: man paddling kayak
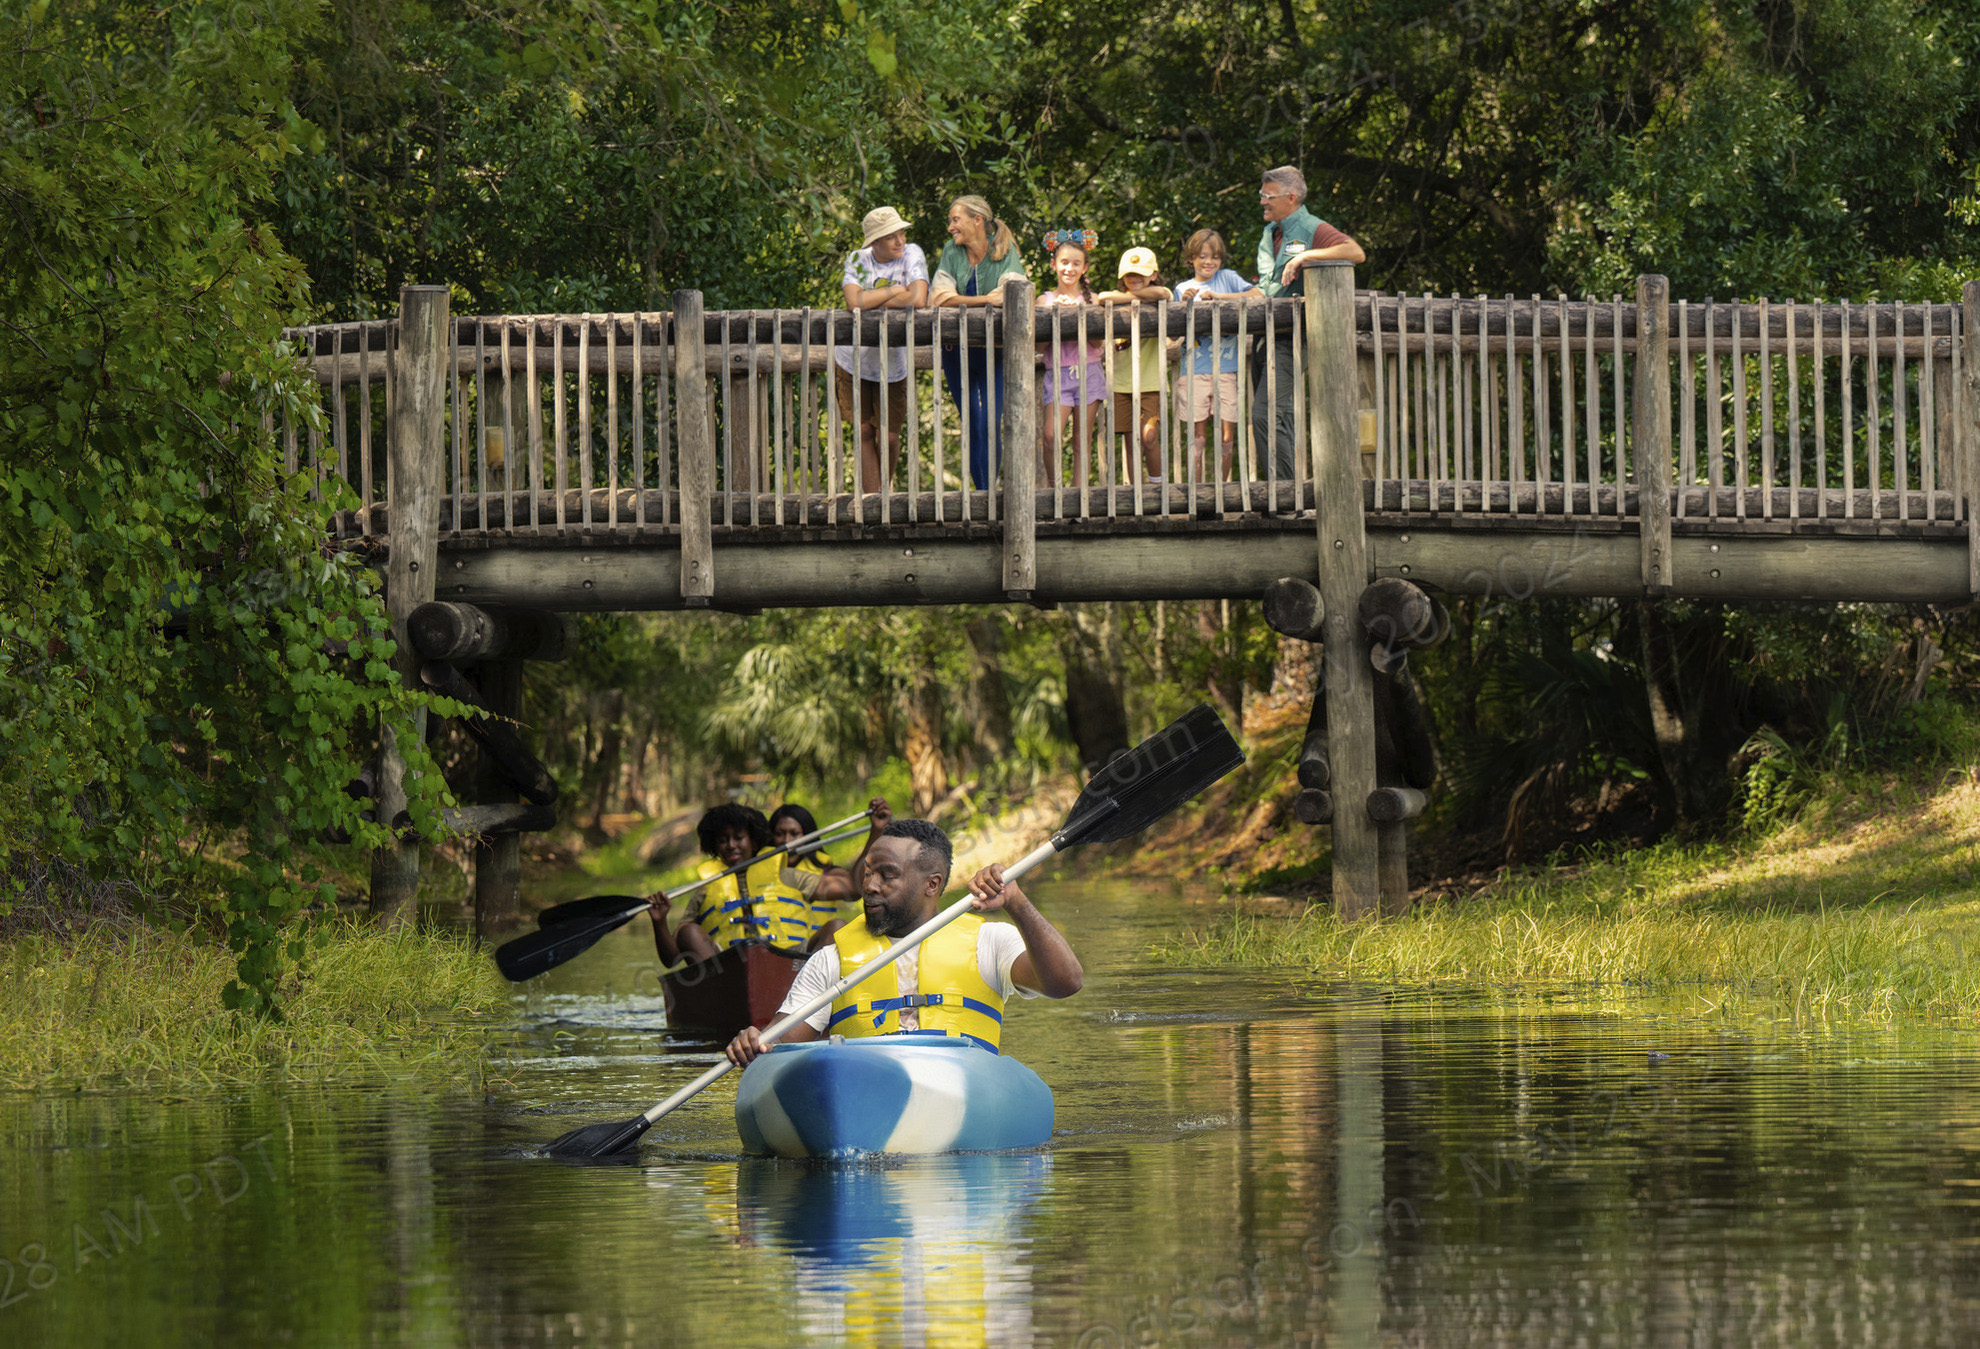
(961, 977)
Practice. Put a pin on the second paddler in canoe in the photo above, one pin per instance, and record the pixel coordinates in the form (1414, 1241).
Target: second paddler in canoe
(781, 901)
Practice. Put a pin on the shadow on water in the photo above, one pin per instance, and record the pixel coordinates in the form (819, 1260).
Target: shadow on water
(1239, 1159)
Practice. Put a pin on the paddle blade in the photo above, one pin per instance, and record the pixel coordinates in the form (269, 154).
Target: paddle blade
(593, 906)
(600, 1140)
(533, 953)
(1152, 779)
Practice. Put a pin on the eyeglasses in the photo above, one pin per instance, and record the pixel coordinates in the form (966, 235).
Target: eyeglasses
(1272, 196)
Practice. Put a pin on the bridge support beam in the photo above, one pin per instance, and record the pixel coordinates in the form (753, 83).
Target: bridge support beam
(1334, 432)
(696, 439)
(497, 857)
(417, 456)
(1020, 437)
(1650, 429)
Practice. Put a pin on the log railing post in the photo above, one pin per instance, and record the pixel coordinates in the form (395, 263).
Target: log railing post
(416, 453)
(1334, 431)
(1650, 429)
(1020, 437)
(695, 438)
(1968, 425)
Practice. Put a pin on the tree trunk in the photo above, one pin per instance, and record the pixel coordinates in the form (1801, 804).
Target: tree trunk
(1688, 680)
(1225, 685)
(1096, 713)
(990, 705)
(927, 772)
(611, 741)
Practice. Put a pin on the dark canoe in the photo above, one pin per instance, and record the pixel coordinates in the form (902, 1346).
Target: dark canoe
(742, 986)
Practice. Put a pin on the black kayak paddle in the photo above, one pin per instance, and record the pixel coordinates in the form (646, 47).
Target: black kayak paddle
(1138, 788)
(529, 955)
(597, 906)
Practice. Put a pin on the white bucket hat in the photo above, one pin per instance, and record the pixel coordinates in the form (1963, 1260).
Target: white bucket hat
(879, 223)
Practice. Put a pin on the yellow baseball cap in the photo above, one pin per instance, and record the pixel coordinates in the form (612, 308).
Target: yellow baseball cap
(1140, 261)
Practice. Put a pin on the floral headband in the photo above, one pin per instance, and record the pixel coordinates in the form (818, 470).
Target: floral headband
(1086, 239)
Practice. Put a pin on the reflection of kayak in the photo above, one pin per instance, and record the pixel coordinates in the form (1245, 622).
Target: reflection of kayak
(742, 986)
(846, 1215)
(837, 1098)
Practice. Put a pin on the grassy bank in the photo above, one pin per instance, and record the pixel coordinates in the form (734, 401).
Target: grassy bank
(1865, 907)
(135, 1005)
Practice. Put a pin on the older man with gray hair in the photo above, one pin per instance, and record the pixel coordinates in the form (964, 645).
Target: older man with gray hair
(1293, 237)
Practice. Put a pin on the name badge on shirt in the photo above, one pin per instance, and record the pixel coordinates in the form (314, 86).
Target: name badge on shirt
(1292, 246)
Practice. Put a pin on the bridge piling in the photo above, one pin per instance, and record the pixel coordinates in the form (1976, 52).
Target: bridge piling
(695, 445)
(416, 459)
(1333, 387)
(1020, 436)
(1650, 430)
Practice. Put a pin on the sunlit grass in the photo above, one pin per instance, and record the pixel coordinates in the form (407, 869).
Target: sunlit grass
(112, 1005)
(1866, 907)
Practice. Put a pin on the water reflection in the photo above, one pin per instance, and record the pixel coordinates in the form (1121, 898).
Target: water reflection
(919, 1250)
(1239, 1160)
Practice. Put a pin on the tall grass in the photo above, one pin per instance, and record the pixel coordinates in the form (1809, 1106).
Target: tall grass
(133, 1005)
(1864, 905)
(1833, 963)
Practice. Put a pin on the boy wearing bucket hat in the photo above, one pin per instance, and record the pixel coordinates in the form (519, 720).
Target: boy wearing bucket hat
(885, 272)
(1136, 374)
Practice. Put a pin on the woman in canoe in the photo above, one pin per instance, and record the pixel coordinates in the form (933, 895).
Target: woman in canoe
(788, 823)
(770, 901)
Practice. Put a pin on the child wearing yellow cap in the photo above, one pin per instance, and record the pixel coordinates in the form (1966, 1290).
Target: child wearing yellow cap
(1136, 375)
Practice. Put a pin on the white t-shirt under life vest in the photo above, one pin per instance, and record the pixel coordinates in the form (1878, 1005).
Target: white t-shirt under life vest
(998, 945)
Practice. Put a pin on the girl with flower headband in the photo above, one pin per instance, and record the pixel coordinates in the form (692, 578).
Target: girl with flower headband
(1076, 371)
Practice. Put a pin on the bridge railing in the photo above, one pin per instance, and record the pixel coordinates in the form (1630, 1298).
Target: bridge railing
(575, 423)
(1775, 416)
(1784, 411)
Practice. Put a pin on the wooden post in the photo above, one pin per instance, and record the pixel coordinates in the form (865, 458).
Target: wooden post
(1969, 425)
(1650, 429)
(497, 858)
(1392, 865)
(1020, 436)
(696, 446)
(1333, 397)
(416, 452)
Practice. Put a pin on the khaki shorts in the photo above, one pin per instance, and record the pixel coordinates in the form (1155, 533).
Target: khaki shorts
(869, 401)
(1193, 396)
(1151, 411)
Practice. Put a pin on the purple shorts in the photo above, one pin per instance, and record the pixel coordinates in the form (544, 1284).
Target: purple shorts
(1066, 390)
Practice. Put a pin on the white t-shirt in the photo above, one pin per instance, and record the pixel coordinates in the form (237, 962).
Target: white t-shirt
(998, 945)
(862, 271)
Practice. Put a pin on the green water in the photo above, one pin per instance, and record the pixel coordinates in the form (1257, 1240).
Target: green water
(1238, 1160)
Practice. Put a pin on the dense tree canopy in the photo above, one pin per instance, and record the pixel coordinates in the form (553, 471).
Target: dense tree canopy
(178, 183)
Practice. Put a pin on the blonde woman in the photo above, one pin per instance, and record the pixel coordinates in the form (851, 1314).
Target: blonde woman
(979, 258)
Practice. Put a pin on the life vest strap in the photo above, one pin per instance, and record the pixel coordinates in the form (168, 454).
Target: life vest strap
(880, 1007)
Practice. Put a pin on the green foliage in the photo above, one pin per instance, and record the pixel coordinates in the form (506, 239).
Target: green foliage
(545, 157)
(184, 669)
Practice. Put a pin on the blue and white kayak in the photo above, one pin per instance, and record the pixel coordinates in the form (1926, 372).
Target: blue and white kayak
(891, 1093)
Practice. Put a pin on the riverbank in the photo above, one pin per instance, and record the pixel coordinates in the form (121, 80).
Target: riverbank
(1866, 906)
(134, 1005)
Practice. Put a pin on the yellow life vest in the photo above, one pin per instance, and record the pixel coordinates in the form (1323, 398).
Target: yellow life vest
(821, 911)
(950, 998)
(762, 906)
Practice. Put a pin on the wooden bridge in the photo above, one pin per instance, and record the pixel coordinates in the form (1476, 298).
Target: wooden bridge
(1534, 447)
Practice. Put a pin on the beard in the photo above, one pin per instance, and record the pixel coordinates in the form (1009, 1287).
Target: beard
(890, 920)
